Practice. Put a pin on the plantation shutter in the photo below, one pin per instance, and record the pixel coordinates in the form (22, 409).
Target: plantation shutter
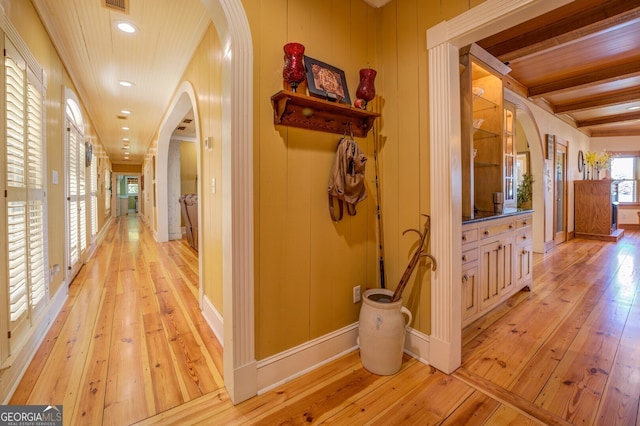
(82, 195)
(27, 263)
(74, 249)
(93, 170)
(15, 82)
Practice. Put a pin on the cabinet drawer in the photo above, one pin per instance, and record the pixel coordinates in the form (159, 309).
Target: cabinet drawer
(469, 236)
(469, 256)
(523, 222)
(524, 236)
(496, 229)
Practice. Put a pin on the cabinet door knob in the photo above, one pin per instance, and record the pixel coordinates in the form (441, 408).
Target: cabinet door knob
(465, 278)
(464, 237)
(524, 237)
(464, 258)
(510, 226)
(486, 232)
(524, 223)
(500, 247)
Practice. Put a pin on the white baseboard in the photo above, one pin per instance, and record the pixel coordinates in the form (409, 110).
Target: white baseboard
(14, 368)
(286, 366)
(213, 318)
(417, 345)
(99, 238)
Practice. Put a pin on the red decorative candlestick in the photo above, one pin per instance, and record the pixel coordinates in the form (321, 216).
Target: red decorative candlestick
(293, 71)
(366, 90)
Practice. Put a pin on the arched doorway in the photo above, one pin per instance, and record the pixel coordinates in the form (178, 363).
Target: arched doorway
(443, 43)
(230, 21)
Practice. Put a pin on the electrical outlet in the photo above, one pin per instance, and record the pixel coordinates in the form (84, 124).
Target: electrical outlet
(356, 294)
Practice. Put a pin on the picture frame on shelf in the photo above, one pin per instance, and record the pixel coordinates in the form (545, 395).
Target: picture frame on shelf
(551, 139)
(326, 81)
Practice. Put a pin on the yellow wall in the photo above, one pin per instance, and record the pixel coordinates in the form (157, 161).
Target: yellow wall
(126, 168)
(306, 265)
(204, 73)
(188, 168)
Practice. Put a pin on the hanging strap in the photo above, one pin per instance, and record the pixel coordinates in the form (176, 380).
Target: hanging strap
(332, 209)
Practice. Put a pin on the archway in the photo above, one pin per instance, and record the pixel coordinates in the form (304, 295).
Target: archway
(538, 167)
(230, 21)
(443, 43)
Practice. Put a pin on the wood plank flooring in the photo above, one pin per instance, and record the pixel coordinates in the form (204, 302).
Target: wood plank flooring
(131, 348)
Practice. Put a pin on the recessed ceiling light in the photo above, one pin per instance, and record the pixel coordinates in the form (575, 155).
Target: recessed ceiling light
(124, 128)
(634, 108)
(126, 27)
(125, 111)
(125, 83)
(126, 158)
(125, 140)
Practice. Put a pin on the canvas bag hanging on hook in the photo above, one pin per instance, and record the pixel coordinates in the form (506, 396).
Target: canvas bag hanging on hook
(346, 182)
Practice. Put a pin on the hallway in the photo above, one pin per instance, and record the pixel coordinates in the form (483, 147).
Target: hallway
(131, 347)
(130, 341)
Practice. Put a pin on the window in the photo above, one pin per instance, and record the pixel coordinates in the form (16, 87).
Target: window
(132, 186)
(625, 170)
(25, 278)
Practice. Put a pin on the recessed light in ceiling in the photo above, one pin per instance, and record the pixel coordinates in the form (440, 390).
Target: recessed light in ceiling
(125, 111)
(126, 27)
(125, 140)
(126, 158)
(634, 108)
(125, 83)
(124, 128)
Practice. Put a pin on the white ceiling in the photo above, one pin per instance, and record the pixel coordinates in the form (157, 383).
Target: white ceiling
(97, 56)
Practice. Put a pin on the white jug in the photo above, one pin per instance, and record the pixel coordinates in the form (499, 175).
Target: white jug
(382, 331)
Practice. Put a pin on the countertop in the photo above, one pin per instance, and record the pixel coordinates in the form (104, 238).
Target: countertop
(482, 216)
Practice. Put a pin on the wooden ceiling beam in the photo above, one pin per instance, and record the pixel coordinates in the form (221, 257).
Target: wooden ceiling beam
(599, 101)
(604, 75)
(603, 26)
(578, 19)
(630, 116)
(611, 133)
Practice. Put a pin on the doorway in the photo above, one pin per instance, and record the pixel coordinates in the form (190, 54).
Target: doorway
(561, 192)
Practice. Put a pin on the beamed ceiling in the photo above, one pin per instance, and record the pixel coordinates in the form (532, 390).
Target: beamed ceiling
(581, 61)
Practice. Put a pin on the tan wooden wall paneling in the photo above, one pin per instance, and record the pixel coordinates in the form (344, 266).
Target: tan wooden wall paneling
(307, 266)
(270, 157)
(410, 152)
(395, 262)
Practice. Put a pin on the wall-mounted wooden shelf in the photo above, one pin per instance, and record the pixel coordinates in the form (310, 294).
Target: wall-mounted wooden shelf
(297, 110)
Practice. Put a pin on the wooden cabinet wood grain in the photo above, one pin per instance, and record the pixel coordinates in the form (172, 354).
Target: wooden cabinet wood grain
(596, 210)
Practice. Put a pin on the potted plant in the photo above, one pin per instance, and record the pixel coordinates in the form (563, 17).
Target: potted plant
(525, 192)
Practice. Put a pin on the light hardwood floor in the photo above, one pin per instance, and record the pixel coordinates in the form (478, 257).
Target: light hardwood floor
(131, 347)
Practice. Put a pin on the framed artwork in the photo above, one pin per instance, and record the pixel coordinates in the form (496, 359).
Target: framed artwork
(550, 146)
(88, 153)
(326, 81)
(580, 161)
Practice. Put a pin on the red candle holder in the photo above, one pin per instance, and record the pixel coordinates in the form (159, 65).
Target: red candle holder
(293, 71)
(366, 90)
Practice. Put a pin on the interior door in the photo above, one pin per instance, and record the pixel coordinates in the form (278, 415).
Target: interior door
(76, 192)
(560, 206)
